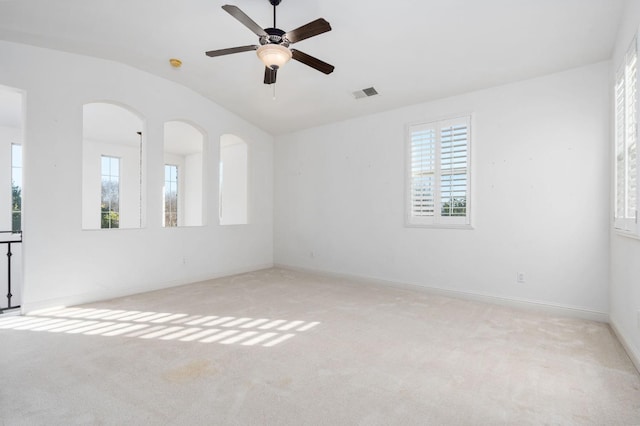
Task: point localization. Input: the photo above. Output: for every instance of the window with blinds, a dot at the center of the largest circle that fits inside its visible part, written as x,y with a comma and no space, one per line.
626,136
438,178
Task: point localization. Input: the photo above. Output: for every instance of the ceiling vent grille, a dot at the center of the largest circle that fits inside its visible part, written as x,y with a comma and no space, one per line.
365,93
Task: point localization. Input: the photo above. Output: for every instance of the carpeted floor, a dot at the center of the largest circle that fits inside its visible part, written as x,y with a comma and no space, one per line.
278,347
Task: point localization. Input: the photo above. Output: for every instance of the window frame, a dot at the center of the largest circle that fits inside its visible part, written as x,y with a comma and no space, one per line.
177,182
16,169
438,220
111,176
625,223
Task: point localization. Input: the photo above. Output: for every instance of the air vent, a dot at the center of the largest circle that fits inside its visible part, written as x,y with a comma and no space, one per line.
365,93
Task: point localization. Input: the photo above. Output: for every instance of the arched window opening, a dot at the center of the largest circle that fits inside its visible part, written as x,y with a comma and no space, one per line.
183,175
11,158
11,191
111,167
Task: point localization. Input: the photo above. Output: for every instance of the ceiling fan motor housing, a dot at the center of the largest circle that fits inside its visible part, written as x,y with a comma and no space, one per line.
274,36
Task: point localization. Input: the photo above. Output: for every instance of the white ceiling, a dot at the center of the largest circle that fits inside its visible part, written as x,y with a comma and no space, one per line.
411,51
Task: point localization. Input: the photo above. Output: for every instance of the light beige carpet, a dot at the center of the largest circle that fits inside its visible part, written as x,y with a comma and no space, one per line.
277,347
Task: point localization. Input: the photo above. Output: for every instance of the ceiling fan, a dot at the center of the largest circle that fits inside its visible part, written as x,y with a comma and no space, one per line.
274,48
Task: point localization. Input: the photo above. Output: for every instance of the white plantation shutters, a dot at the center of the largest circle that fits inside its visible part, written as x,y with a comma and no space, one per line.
423,172
439,180
453,168
620,159
626,136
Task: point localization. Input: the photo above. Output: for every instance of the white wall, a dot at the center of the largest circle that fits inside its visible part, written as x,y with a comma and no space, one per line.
64,264
234,155
540,166
193,190
625,251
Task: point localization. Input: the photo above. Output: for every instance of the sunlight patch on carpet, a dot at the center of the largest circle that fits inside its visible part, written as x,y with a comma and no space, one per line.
226,330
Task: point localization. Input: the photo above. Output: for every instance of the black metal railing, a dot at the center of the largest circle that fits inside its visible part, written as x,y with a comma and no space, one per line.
13,238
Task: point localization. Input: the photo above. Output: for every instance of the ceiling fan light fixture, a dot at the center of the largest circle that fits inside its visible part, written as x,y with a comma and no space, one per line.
274,56
274,50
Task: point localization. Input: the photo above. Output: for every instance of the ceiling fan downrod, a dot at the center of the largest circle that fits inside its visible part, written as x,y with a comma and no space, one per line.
274,3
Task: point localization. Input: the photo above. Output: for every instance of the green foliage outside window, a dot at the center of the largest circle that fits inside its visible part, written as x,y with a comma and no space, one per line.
454,207
16,208
110,218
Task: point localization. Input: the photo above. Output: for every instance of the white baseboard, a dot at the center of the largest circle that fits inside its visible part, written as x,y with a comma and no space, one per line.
78,299
538,306
549,308
632,351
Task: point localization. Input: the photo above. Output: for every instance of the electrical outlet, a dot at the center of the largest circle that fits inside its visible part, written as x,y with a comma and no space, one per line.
520,277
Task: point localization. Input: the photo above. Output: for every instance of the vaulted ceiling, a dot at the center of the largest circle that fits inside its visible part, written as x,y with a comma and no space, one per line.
410,51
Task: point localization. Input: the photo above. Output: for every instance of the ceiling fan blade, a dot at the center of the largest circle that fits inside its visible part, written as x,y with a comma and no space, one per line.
269,75
311,29
312,62
230,50
244,19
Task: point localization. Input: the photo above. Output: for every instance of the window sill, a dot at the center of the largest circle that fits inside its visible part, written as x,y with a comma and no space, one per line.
626,234
110,229
439,226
